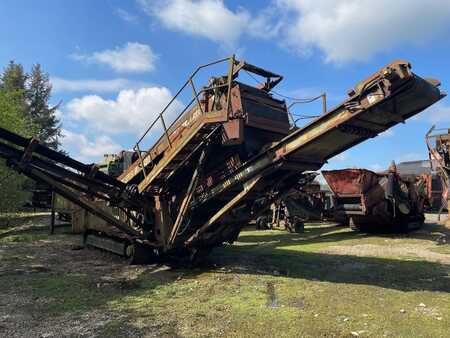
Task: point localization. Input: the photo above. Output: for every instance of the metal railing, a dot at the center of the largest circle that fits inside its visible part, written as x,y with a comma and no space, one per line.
322,96
195,98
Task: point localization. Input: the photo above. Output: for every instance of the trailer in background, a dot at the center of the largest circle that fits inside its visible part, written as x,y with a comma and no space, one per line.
369,201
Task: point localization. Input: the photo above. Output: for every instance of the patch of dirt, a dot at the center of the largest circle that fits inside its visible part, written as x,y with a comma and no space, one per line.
54,256
402,250
25,324
429,311
432,236
299,303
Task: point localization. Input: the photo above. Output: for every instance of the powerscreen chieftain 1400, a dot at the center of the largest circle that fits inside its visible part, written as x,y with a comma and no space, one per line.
229,155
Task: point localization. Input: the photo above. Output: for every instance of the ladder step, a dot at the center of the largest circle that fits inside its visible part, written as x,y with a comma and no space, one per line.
177,155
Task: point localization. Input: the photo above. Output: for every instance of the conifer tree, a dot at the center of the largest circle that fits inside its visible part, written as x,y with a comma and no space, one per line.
38,94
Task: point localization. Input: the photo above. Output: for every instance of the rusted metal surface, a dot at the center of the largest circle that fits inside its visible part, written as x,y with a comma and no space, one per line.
433,188
369,200
177,202
433,185
347,182
438,143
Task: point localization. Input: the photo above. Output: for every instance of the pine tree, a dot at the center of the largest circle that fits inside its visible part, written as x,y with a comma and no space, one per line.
13,81
24,109
13,194
13,77
38,95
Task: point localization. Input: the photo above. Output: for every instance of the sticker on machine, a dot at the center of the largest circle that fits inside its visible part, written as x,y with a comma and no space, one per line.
372,98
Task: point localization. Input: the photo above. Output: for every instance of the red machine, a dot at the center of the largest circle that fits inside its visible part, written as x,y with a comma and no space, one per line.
368,201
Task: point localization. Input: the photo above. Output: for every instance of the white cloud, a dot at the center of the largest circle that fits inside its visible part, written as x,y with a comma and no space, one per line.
58,114
439,113
92,85
206,18
266,24
131,112
211,19
125,15
356,30
86,150
343,30
132,57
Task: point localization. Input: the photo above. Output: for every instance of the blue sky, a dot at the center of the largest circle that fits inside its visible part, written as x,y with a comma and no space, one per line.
114,64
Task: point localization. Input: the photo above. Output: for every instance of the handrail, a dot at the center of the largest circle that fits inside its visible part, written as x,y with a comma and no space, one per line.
189,81
302,117
181,90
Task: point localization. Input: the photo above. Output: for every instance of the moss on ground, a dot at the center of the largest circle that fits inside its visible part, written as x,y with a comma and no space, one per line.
312,295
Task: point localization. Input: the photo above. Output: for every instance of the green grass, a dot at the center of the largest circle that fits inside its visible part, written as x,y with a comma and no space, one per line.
23,238
27,235
214,304
17,218
23,229
443,249
269,284
316,294
59,293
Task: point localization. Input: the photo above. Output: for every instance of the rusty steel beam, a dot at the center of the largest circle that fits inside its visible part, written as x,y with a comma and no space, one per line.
56,156
73,179
81,201
226,208
188,196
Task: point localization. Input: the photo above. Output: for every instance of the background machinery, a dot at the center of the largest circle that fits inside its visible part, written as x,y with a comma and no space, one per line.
304,202
369,201
438,143
425,171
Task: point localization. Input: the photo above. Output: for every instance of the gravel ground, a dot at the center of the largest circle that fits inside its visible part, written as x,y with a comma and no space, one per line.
56,256
430,237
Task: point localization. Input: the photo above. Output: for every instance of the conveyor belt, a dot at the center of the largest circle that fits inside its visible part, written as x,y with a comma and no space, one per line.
387,98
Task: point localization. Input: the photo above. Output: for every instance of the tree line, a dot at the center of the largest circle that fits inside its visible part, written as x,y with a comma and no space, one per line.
25,109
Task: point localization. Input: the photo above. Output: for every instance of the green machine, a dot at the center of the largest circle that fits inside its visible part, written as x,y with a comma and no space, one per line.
115,164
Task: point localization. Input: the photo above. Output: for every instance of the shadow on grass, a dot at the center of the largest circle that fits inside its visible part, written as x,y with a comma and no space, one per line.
387,273
28,231
77,292
333,233
264,254
281,254
311,235
12,220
